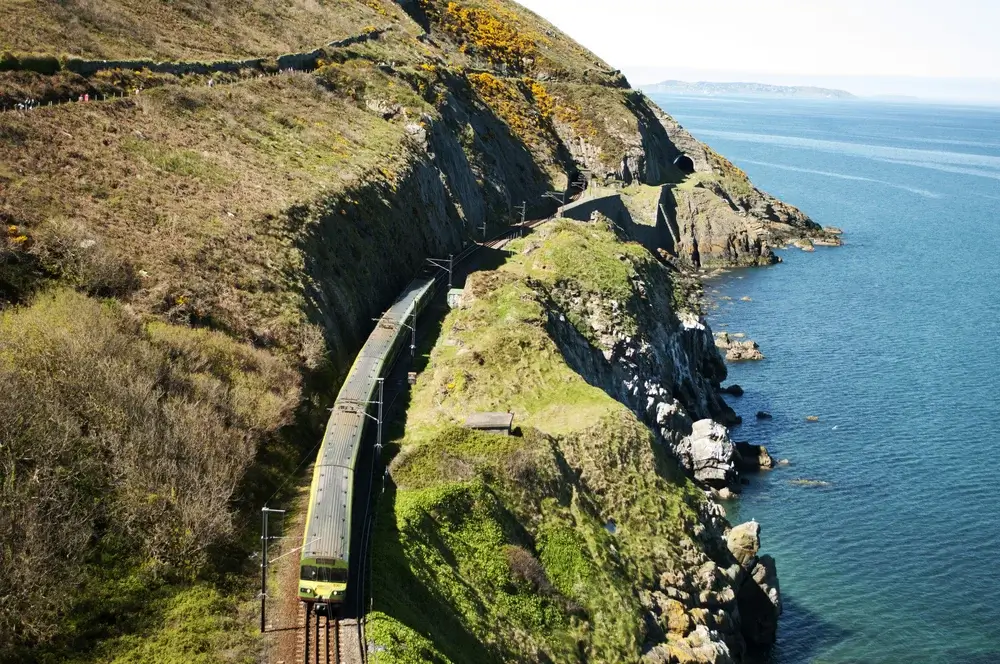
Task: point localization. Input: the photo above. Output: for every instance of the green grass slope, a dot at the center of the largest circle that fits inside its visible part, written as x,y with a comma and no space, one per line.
186,272
493,548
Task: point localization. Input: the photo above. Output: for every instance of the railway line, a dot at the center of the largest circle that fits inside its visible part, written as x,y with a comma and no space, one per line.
325,639
330,624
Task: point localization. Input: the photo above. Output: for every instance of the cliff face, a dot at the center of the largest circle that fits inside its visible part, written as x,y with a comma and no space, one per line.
581,537
245,233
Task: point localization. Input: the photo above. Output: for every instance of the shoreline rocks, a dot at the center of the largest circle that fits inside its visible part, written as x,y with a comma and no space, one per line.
753,457
758,597
738,351
744,351
709,454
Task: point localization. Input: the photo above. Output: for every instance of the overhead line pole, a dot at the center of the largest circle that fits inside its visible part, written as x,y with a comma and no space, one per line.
447,265
264,537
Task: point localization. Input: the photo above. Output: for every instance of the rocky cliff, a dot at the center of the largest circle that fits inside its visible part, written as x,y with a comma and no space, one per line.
584,536
229,230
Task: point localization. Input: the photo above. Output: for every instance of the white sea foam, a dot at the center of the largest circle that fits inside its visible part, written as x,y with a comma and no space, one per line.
843,176
946,168
880,152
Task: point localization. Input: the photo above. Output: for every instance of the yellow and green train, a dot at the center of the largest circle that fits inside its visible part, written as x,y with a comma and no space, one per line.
326,543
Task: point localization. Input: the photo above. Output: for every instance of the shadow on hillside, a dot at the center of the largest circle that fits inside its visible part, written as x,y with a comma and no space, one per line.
361,245
401,594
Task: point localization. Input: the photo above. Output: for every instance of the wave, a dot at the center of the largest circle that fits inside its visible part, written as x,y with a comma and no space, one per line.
843,176
860,149
945,168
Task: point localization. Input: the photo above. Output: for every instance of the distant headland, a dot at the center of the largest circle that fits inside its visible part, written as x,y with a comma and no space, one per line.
708,88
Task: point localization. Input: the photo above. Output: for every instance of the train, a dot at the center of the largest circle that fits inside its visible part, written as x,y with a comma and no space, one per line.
326,543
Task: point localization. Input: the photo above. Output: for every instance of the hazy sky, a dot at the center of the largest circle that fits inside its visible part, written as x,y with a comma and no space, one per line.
906,44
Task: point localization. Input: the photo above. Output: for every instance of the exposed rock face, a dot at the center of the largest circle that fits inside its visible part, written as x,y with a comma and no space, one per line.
713,609
743,542
723,219
709,454
744,351
667,368
765,573
752,457
758,597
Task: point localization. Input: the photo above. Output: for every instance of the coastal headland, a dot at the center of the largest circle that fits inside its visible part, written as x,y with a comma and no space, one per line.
195,242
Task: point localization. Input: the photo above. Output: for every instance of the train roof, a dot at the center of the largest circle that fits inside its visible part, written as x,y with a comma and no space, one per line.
327,533
328,530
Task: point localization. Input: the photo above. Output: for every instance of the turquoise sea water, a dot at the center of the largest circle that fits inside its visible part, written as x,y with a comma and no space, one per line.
894,342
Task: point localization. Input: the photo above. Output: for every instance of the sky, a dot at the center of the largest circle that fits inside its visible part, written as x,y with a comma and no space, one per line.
925,48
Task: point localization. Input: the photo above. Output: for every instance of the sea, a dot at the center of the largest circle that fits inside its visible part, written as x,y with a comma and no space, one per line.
885,523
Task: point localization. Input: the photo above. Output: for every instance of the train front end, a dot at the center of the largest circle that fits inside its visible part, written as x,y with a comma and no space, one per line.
323,581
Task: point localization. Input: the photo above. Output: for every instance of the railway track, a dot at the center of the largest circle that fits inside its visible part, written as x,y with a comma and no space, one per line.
332,640
328,640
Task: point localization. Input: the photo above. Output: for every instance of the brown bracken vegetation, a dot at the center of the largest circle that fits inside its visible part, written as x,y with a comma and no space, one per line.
133,435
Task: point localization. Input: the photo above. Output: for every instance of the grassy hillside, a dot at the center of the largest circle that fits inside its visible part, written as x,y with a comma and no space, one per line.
498,548
186,271
188,30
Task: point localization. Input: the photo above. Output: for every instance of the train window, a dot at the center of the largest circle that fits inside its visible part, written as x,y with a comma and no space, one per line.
323,574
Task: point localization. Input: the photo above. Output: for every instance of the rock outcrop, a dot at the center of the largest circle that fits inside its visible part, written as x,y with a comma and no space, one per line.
752,457
743,541
709,454
738,350
758,597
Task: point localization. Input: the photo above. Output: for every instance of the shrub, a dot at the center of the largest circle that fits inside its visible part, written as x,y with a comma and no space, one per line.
41,64
67,251
119,440
494,36
525,568
8,61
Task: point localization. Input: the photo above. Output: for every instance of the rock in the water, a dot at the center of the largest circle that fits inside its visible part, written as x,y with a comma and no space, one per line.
812,418
722,340
752,457
765,573
808,482
763,415
784,462
742,351
758,612
743,542
805,244
734,389
709,454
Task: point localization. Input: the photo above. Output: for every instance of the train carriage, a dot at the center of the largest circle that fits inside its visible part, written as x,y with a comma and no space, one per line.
326,543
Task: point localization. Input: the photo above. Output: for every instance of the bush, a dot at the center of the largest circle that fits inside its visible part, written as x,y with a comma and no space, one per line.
525,568
67,251
118,440
41,64
8,61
